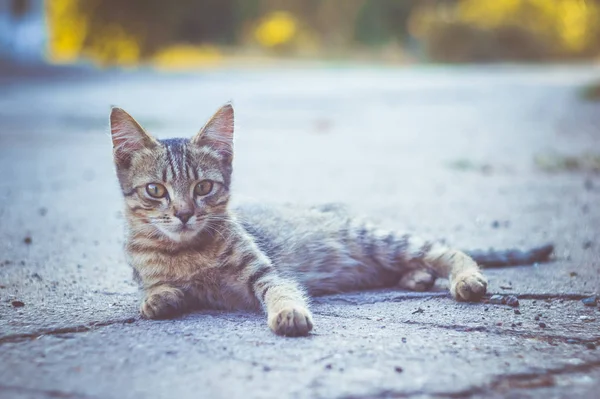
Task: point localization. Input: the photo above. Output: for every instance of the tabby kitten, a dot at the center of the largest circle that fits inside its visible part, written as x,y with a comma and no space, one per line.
188,250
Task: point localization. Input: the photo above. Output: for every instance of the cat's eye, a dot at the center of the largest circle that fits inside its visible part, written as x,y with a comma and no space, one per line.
203,188
156,190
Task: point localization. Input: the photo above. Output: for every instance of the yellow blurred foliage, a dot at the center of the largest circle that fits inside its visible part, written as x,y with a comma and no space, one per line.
67,32
186,57
277,28
573,23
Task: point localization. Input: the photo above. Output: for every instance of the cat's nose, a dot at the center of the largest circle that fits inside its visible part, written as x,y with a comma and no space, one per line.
184,215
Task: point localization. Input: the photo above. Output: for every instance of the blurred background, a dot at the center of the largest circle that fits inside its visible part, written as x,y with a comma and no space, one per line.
192,33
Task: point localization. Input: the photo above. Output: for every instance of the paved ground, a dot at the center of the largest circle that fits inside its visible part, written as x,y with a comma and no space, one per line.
448,152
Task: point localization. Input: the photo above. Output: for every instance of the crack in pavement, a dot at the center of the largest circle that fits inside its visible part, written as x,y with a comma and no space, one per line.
426,295
498,384
62,330
52,393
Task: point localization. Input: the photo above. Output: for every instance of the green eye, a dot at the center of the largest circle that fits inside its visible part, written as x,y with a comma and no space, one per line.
156,190
203,188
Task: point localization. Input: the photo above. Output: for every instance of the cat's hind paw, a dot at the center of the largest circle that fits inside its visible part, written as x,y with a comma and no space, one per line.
468,285
292,322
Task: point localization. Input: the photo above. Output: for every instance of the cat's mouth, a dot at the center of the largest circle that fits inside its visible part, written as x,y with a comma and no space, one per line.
184,228
182,232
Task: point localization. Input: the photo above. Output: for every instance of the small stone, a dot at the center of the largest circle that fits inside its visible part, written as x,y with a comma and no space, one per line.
513,325
590,301
517,311
266,368
572,341
587,319
497,299
536,318
18,304
573,274
398,369
43,211
542,325
587,245
403,340
495,224
590,345
419,310
512,300
328,366
129,320
27,240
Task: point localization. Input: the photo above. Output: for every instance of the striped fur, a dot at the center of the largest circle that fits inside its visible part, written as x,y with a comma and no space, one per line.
256,256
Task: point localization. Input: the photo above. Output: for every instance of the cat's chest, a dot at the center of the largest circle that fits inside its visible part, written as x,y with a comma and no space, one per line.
210,284
216,289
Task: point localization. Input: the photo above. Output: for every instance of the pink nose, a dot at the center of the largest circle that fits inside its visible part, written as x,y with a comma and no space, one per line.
184,215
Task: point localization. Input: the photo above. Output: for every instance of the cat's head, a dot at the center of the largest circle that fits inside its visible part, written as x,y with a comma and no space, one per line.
173,189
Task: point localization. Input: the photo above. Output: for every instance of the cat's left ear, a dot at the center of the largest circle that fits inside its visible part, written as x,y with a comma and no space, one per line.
218,132
127,136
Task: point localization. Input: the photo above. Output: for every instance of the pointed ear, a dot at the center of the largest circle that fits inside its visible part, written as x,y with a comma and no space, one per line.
218,131
127,136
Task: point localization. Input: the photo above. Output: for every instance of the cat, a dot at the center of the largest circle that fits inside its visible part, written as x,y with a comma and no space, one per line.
189,251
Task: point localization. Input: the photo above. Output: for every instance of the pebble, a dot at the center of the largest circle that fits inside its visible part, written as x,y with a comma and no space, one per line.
590,345
512,300
590,301
517,311
27,240
542,325
18,304
398,369
587,318
572,341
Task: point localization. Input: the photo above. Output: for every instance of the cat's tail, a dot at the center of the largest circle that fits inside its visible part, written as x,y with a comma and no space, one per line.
511,257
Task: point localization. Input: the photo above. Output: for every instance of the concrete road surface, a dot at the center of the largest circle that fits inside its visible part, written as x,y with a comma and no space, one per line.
446,152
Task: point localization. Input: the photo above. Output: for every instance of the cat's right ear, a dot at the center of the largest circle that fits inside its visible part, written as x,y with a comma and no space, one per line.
127,136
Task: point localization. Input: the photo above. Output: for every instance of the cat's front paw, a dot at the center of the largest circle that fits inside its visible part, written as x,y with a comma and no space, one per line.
291,322
162,303
468,285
